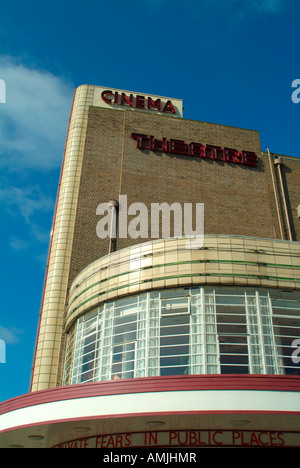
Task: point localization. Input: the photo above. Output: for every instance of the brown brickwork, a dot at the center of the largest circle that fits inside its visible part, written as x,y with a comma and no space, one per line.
290,173
238,200
102,162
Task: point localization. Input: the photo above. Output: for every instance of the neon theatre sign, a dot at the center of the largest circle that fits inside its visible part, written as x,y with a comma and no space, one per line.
198,150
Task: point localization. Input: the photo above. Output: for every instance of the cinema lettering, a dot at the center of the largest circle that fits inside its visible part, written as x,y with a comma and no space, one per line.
198,150
213,438
138,101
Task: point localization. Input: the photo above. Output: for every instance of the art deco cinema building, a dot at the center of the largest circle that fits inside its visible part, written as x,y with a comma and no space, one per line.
147,340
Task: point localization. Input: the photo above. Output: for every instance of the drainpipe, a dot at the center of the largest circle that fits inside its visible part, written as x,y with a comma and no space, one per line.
275,193
114,206
278,162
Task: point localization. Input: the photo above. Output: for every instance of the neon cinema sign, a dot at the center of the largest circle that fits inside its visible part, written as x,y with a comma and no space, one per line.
137,101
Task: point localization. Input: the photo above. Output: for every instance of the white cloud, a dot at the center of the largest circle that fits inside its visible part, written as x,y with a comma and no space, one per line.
34,119
240,8
263,6
26,201
33,127
26,205
10,335
18,244
236,8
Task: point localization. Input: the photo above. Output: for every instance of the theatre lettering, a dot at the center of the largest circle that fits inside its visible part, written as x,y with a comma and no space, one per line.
180,147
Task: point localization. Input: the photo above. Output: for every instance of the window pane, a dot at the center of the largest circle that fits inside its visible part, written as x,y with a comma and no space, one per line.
186,331
175,306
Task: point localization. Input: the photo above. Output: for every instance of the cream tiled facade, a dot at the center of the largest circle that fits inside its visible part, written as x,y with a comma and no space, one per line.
141,338
48,348
53,306
223,260
165,263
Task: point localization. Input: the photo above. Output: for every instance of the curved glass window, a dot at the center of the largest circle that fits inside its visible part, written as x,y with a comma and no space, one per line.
201,330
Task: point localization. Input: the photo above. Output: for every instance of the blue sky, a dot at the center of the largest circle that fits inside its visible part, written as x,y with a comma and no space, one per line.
231,61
